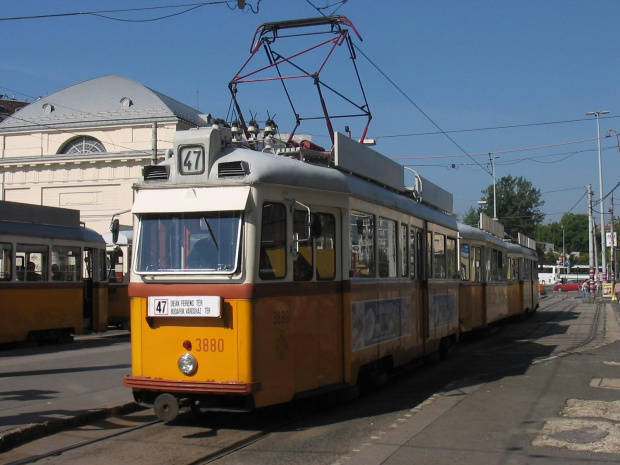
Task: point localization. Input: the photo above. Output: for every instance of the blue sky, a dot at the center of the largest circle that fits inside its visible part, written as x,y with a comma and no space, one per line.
510,78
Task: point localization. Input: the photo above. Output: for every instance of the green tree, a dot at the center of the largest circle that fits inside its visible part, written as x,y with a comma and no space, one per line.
575,232
518,205
570,233
472,217
549,258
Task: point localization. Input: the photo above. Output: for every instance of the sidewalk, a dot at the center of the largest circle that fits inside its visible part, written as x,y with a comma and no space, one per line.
46,389
561,410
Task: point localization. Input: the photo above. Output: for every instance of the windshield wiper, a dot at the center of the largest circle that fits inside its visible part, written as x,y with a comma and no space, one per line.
211,232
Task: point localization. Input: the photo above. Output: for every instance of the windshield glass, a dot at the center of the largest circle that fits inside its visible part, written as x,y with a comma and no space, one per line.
189,242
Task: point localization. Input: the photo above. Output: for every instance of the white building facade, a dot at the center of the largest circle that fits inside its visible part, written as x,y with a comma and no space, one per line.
83,147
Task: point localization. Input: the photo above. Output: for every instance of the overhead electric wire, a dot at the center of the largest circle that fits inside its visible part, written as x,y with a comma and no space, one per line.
486,154
607,195
319,8
564,190
490,128
102,13
420,109
577,203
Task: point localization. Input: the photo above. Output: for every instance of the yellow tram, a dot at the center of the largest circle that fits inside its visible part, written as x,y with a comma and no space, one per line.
523,294
267,268
483,271
497,278
52,275
260,276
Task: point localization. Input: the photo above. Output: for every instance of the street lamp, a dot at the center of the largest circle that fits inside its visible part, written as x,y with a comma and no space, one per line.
563,248
494,182
598,114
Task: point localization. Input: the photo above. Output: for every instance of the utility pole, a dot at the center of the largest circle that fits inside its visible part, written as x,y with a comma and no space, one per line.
563,248
613,250
591,239
492,159
598,114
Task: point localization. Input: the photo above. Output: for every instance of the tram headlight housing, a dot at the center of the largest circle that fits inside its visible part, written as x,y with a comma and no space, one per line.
187,364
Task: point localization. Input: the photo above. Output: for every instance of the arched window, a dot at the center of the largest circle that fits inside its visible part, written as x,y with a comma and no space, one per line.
83,144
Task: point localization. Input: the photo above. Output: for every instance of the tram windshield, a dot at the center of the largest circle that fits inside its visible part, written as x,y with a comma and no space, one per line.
189,242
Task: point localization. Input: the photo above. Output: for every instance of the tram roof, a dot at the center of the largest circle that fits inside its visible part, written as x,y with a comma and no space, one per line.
43,231
514,248
352,170
269,168
38,214
472,233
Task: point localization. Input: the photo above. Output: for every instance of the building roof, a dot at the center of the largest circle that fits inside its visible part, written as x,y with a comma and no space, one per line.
101,101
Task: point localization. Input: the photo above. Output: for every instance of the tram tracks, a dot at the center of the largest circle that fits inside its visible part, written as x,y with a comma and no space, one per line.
221,441
61,450
240,445
559,329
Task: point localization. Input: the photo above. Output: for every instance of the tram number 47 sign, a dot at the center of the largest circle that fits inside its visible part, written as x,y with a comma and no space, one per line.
188,306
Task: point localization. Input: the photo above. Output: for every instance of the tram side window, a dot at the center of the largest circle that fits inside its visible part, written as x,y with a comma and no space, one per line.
465,265
404,251
103,272
272,263
494,264
6,261
419,254
303,265
31,262
451,258
325,246
488,267
429,255
362,245
475,255
413,262
498,269
501,266
88,268
439,254
515,269
114,260
387,248
66,263
527,269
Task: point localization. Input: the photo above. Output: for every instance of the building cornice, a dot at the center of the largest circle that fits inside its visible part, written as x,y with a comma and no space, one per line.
78,159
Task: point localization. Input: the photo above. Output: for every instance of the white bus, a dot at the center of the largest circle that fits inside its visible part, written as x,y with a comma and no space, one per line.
579,272
551,274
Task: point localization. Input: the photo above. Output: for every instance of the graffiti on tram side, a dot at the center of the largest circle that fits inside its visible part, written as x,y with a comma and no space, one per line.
443,309
376,321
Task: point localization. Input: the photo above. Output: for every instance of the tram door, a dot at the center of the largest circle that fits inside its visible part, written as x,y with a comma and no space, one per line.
314,268
88,284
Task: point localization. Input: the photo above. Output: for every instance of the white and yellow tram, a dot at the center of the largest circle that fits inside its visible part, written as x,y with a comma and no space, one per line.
52,275
497,278
523,291
260,276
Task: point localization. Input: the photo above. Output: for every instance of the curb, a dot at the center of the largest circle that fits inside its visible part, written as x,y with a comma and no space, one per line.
24,434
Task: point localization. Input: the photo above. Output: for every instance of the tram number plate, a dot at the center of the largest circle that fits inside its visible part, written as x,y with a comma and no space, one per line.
191,305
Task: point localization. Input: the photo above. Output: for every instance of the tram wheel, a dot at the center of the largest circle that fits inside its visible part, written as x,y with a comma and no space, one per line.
166,407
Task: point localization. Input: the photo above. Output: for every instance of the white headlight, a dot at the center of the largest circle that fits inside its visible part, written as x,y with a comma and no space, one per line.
187,364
